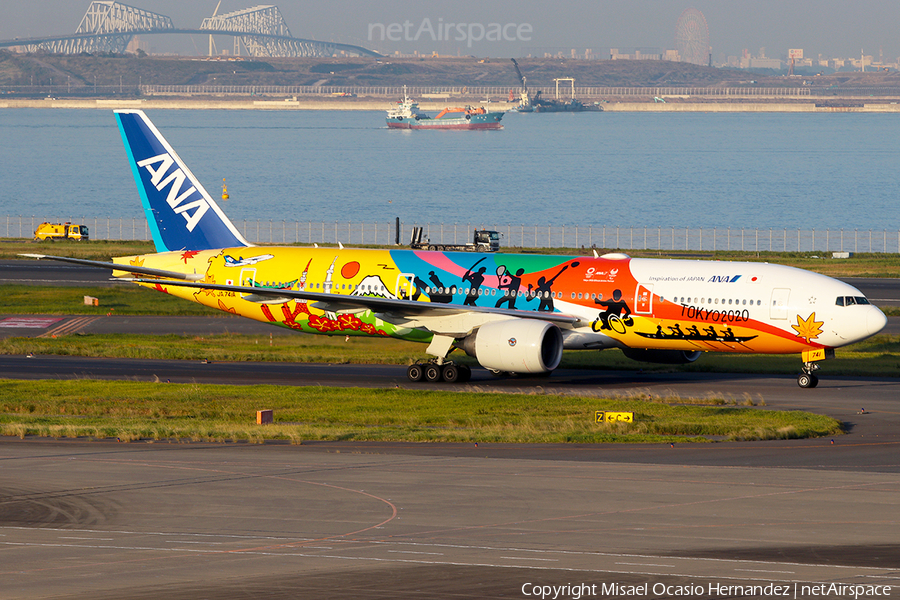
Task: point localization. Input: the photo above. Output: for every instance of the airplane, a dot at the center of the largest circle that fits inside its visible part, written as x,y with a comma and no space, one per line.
513,313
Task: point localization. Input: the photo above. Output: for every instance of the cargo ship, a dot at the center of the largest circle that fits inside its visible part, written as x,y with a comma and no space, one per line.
406,115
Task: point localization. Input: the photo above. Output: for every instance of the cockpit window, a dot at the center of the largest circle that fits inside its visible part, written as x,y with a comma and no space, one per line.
851,300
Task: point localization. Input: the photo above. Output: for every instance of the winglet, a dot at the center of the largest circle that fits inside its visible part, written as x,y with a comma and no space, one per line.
181,213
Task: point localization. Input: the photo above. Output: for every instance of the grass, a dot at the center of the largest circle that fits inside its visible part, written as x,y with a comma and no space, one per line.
11,248
119,299
219,413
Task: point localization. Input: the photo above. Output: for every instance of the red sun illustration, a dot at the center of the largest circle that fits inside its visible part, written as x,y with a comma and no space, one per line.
350,270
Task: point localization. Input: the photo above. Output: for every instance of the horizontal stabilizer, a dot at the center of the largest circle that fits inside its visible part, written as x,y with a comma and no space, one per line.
118,267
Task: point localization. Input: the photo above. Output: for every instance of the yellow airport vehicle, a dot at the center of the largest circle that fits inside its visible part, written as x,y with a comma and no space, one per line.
61,231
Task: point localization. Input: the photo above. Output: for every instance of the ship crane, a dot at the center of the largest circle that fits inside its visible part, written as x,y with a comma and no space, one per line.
525,102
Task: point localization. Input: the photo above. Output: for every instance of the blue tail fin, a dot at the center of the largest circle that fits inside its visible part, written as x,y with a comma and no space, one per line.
181,214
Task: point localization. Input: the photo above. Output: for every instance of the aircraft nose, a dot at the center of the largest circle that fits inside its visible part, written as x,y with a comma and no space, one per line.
875,320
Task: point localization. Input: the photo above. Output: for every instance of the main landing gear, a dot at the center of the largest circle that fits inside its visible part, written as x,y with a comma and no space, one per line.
448,372
807,377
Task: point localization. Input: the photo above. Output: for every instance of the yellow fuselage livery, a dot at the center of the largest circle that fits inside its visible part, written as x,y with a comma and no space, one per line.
616,301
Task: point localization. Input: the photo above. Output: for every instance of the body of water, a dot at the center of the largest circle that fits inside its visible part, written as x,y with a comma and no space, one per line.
768,170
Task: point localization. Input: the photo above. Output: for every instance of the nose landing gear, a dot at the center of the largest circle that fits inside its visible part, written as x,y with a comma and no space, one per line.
807,377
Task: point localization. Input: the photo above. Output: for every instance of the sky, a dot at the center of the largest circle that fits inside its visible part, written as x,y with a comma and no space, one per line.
833,28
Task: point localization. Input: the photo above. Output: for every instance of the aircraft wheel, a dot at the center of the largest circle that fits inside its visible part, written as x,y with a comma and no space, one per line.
465,373
450,373
432,373
807,380
415,373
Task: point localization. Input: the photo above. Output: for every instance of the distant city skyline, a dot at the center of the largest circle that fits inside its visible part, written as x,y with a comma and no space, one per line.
492,28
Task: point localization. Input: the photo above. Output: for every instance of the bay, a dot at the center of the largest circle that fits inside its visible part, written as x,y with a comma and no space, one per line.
753,170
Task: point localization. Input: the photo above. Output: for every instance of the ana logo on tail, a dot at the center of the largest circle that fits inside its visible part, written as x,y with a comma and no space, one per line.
175,198
181,214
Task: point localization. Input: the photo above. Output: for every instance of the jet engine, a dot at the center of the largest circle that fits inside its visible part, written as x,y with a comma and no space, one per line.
516,346
666,357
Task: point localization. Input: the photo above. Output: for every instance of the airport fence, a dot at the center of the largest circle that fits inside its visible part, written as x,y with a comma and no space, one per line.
705,239
442,91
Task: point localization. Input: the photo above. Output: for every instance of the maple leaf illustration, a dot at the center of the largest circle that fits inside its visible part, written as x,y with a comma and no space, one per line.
809,329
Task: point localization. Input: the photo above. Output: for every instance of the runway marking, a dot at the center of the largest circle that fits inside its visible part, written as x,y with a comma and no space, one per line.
647,565
412,552
29,322
70,326
761,571
475,563
529,558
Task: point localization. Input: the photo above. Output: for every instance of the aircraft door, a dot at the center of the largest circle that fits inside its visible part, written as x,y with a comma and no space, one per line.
405,286
643,298
248,278
778,308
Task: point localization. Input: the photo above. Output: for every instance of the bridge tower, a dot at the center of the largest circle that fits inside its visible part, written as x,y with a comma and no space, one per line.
106,27
274,37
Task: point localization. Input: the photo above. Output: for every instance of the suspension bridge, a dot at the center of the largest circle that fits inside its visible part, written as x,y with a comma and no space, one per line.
108,27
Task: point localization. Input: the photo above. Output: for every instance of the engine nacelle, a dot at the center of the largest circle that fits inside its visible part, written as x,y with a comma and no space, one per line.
666,357
516,346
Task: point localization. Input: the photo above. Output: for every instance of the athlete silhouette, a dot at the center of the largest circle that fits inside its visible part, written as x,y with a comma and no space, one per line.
475,278
544,291
511,284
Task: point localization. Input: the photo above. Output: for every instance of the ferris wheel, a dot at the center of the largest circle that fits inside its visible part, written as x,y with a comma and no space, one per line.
692,37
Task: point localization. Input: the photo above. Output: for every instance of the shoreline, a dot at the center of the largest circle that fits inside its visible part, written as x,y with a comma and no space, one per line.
206,103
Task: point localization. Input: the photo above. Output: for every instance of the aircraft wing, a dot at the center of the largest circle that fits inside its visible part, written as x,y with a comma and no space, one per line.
118,267
337,303
439,318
